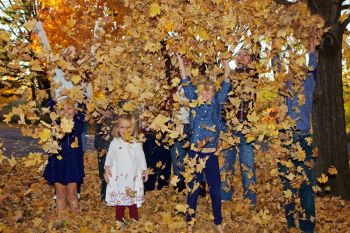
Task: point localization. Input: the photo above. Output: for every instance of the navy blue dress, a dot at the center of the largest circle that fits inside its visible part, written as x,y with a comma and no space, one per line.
70,169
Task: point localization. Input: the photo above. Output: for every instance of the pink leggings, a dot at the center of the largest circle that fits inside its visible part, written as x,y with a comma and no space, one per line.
119,213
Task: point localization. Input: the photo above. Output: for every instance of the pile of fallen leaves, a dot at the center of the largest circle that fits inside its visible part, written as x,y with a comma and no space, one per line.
27,204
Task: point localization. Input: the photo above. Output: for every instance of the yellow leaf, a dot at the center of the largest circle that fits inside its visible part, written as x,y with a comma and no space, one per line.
154,10
37,222
36,65
332,171
12,161
67,125
175,82
203,34
169,26
149,227
174,180
287,194
75,143
33,159
159,123
30,25
6,36
181,208
323,179
44,135
76,79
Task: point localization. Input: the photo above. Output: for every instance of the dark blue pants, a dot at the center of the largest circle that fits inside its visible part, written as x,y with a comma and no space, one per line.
306,217
101,171
212,174
157,155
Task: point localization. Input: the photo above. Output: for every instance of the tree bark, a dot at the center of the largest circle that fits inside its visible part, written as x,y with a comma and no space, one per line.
328,116
33,88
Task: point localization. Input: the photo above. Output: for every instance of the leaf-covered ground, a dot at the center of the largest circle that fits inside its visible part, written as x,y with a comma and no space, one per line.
27,205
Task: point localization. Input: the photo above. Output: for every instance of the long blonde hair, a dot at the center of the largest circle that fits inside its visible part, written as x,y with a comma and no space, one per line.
134,125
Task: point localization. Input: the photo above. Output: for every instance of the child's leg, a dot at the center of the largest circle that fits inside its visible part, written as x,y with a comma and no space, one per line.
72,196
307,199
227,172
192,197
247,164
133,212
165,171
151,160
61,197
287,186
119,213
101,170
212,173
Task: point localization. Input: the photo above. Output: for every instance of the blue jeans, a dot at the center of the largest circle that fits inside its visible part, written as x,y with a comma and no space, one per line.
178,153
305,192
84,136
212,174
247,165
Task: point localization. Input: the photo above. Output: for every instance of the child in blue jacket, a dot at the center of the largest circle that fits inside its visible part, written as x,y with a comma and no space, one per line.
205,124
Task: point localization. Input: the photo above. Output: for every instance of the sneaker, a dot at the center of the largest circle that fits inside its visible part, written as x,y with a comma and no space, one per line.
78,195
54,197
219,228
121,224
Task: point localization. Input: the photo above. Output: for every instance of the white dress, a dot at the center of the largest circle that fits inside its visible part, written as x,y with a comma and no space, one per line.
127,162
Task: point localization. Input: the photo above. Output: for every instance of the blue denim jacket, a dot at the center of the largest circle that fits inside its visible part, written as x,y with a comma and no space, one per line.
303,117
206,116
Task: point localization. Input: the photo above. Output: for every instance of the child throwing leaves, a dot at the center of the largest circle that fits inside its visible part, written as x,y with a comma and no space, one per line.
66,169
205,124
125,170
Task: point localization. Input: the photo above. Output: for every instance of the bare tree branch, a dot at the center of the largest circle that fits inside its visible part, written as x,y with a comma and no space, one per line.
286,2
345,23
345,7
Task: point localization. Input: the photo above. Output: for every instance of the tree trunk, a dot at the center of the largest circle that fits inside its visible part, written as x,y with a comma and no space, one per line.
32,87
328,113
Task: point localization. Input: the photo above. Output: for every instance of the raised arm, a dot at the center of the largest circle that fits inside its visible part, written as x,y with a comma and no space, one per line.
312,53
190,90
181,66
227,71
226,84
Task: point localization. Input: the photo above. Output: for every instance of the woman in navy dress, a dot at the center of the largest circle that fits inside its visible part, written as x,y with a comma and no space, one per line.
65,170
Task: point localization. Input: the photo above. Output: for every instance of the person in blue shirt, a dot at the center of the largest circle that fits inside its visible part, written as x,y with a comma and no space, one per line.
245,76
302,196
205,126
65,170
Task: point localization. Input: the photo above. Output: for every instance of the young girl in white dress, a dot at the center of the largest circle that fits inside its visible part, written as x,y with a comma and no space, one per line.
125,170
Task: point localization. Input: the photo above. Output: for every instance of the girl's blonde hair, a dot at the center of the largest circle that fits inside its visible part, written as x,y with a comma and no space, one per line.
134,125
206,84
66,101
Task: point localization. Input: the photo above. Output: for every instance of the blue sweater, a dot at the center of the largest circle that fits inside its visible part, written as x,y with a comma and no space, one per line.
303,117
205,119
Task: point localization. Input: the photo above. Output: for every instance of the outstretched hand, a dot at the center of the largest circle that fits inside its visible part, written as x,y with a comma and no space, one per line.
107,174
145,176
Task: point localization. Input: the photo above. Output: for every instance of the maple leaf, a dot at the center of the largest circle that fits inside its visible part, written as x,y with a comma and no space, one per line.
159,123
174,180
67,125
181,208
323,179
75,143
30,25
154,10
332,171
